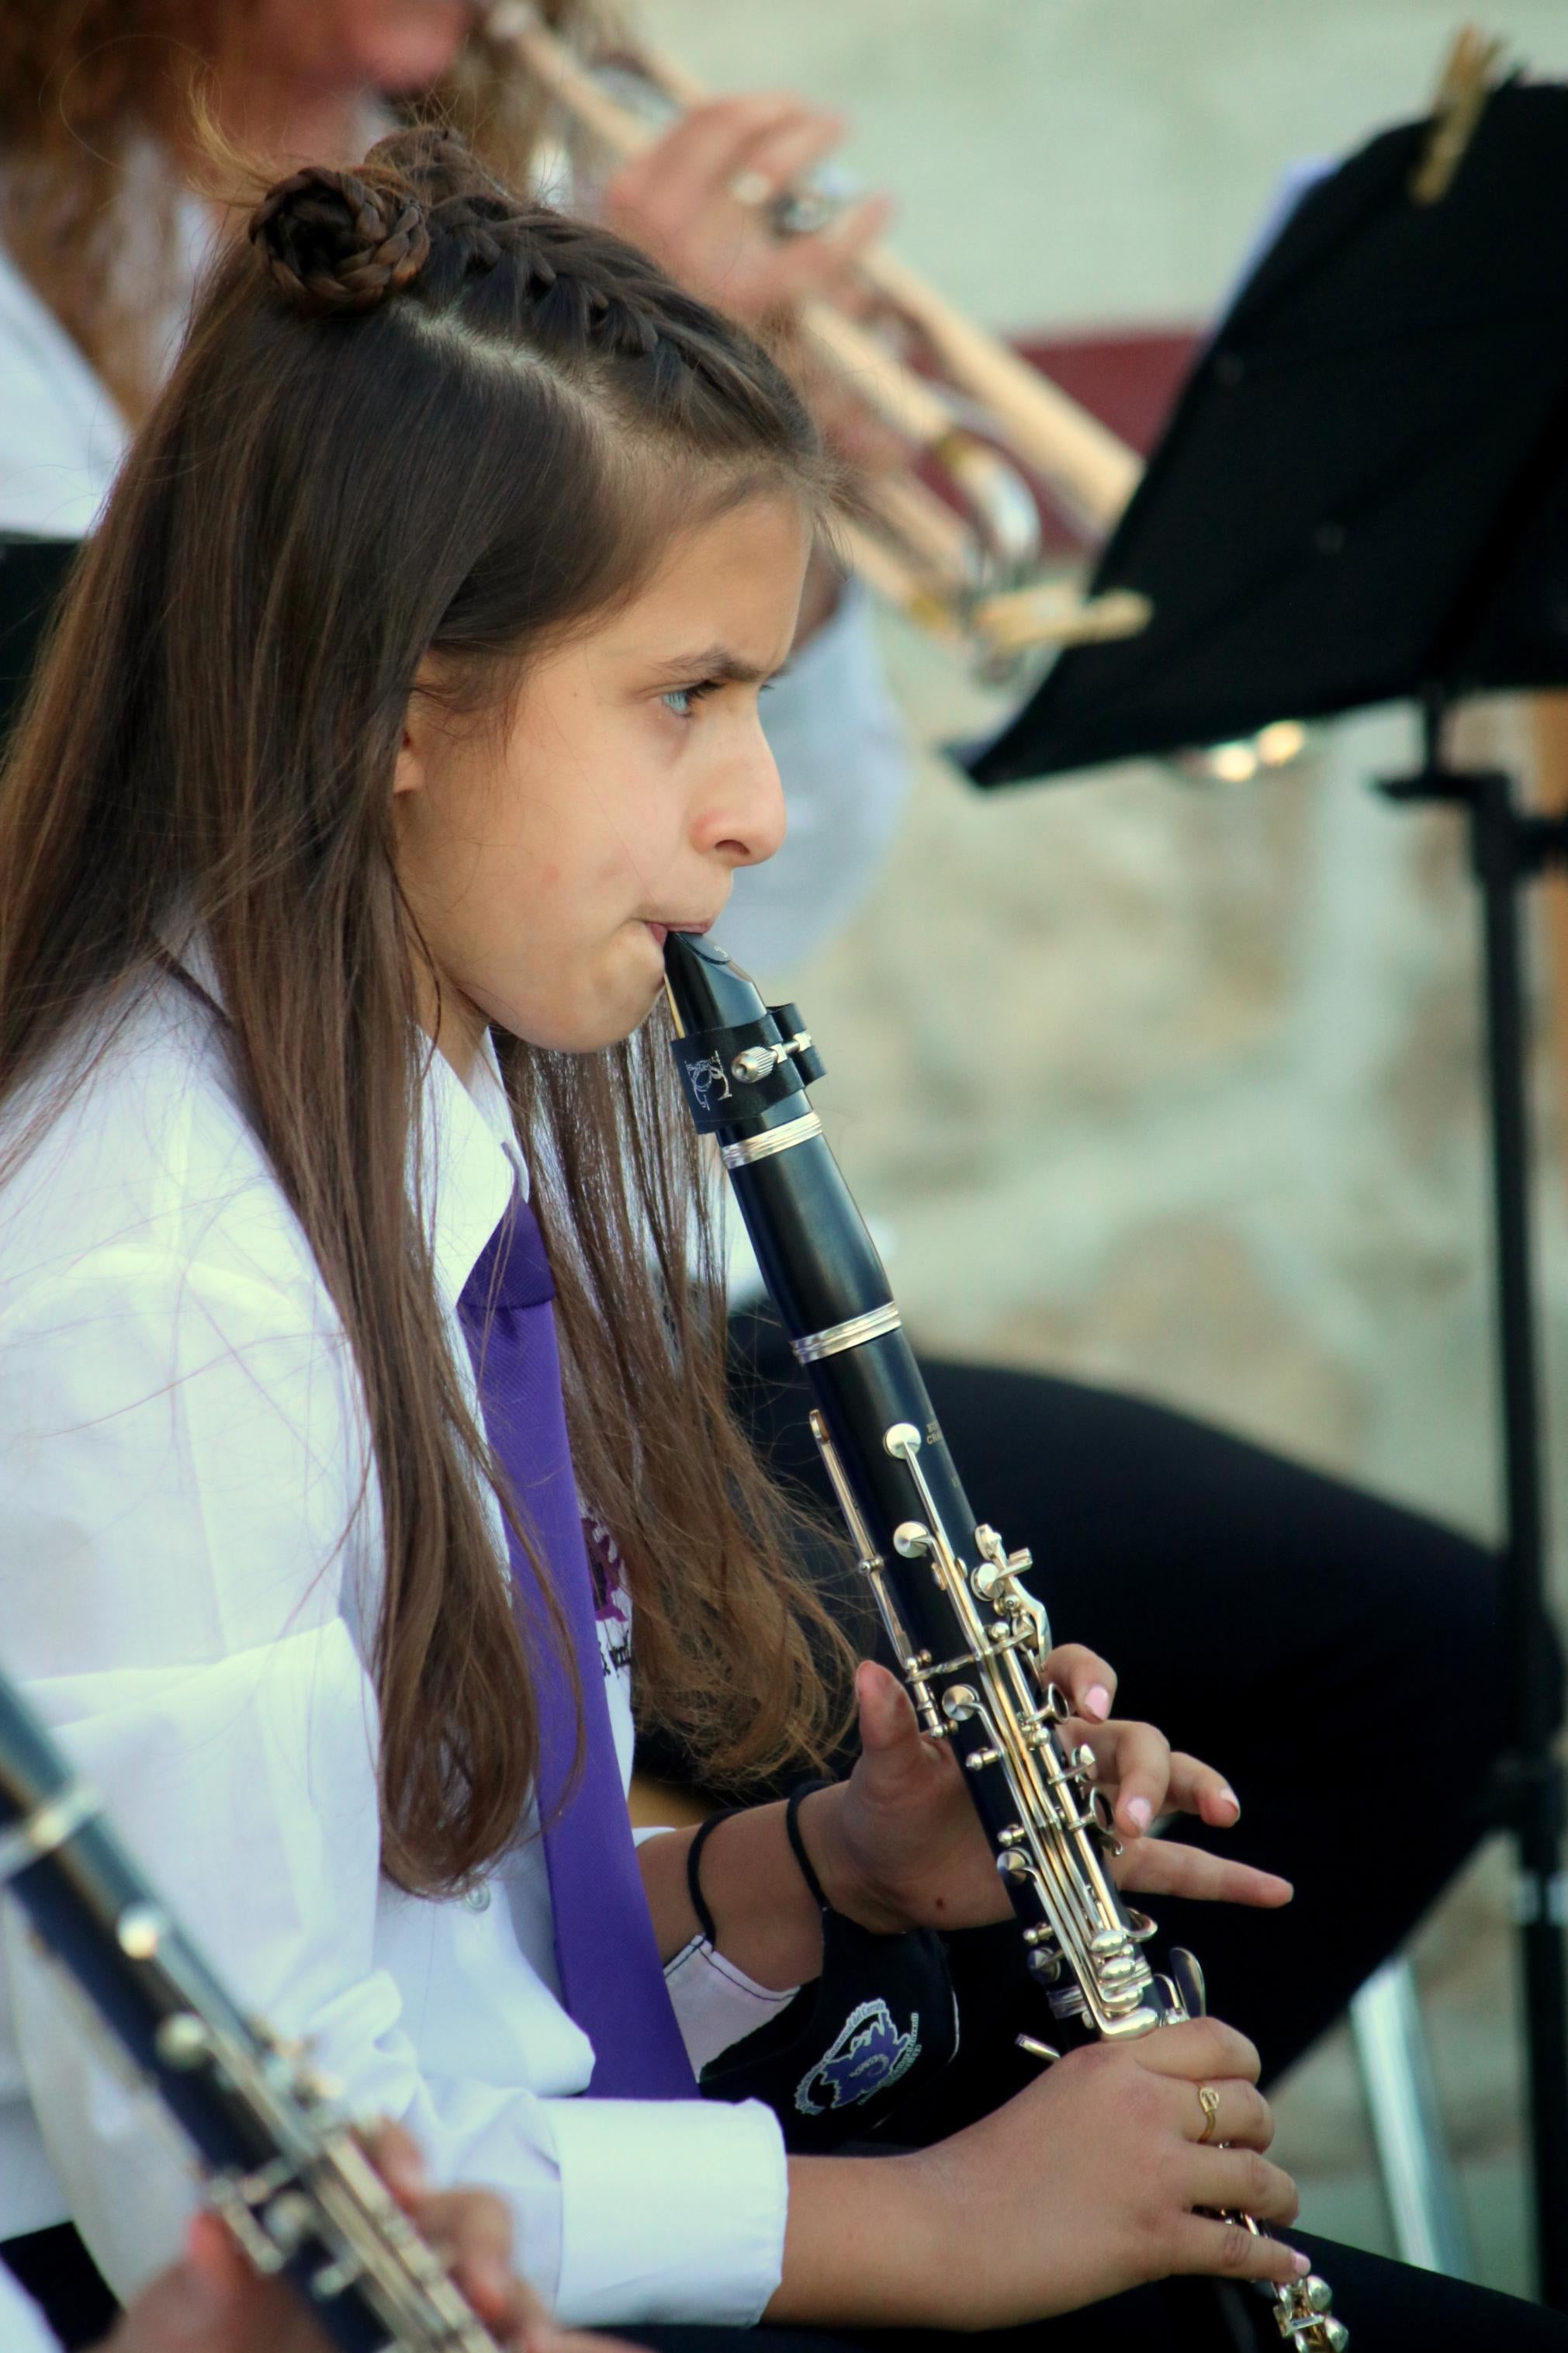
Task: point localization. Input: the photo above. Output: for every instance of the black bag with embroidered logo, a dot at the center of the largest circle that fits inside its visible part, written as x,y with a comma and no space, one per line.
839,2061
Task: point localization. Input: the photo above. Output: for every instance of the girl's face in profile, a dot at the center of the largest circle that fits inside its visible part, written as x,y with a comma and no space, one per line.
633,779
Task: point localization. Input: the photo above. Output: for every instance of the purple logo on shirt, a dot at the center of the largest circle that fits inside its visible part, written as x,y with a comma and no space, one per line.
867,2054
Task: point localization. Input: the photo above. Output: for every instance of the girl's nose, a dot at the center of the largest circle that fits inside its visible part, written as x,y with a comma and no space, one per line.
747,824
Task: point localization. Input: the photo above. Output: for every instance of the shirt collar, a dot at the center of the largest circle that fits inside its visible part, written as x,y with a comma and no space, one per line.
468,1161
463,1145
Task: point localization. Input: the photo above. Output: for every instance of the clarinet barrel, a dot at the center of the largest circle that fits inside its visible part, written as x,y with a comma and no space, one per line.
971,1638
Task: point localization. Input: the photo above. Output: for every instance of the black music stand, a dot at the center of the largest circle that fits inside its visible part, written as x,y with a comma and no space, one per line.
1362,498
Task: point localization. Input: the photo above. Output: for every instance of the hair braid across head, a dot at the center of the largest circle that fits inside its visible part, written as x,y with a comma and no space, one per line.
422,206
422,213
582,299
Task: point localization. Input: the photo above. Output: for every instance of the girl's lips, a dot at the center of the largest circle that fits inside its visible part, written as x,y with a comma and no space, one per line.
661,931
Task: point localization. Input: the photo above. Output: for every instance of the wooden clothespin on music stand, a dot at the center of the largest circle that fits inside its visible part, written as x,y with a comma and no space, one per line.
1470,77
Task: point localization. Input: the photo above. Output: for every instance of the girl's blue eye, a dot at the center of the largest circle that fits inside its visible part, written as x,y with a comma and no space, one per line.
683,700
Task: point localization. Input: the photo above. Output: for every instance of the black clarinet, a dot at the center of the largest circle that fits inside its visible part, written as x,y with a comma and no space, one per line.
277,2156
971,1638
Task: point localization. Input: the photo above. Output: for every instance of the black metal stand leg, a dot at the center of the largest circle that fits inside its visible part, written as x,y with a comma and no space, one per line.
1507,849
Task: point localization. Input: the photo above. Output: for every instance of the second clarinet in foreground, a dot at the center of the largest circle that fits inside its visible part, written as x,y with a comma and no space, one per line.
276,2155
971,1638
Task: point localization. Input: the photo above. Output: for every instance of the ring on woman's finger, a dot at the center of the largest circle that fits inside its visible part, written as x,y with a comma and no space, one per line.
804,211
752,187
1208,2100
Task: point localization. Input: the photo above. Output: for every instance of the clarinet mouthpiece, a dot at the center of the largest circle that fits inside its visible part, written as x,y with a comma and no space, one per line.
707,990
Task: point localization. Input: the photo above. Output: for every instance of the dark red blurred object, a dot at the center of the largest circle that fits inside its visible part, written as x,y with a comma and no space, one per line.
1129,381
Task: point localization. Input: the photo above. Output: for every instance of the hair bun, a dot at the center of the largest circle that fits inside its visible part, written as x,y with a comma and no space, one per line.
333,241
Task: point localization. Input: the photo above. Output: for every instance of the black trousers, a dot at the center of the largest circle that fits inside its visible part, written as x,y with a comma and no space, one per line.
1387,2307
1304,1637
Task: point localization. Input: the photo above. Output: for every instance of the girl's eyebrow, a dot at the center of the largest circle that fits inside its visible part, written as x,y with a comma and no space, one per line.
719,663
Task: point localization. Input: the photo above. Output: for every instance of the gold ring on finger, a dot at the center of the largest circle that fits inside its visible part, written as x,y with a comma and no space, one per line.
752,188
1208,2100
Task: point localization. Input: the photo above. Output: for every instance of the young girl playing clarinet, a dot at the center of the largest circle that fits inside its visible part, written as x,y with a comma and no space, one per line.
362,1399
1176,1546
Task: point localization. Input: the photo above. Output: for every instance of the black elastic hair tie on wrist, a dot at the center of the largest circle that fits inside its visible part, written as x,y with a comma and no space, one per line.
797,1844
693,1881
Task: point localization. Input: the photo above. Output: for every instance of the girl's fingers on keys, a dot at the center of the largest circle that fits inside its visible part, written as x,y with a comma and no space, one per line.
1242,2181
1202,2050
1220,2250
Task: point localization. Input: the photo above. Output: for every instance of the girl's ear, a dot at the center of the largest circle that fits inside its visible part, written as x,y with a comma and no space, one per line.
408,775
413,769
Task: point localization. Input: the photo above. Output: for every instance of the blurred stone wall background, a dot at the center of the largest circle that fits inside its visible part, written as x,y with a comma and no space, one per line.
1159,1084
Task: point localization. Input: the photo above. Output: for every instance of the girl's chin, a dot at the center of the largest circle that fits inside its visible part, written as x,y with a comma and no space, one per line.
609,1024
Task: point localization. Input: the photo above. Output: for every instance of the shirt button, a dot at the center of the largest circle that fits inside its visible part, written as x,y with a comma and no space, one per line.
478,1899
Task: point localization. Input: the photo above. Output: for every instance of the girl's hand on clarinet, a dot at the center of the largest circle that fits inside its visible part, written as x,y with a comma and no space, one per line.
898,1845
1144,1776
1093,2180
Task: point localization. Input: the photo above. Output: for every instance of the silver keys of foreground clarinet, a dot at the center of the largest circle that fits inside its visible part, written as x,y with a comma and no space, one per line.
278,2160
971,1639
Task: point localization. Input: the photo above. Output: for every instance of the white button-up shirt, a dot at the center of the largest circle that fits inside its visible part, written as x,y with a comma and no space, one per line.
189,1558
22,2328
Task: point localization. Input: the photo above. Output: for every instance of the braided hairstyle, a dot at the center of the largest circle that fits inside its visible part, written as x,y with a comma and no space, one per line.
333,242
420,427
421,219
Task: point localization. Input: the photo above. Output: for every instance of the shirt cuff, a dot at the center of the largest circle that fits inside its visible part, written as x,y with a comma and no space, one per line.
715,2003
670,2210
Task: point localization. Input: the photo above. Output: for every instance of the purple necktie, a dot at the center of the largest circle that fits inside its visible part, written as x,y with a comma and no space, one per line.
611,1978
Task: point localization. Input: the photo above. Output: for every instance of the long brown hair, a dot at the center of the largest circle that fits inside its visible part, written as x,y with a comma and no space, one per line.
340,478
